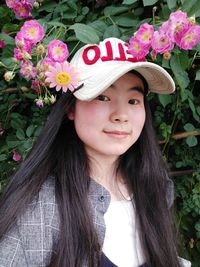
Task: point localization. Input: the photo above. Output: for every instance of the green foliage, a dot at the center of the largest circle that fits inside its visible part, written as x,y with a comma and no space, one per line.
79,22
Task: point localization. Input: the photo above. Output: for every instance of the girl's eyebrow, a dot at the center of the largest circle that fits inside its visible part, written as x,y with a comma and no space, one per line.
138,89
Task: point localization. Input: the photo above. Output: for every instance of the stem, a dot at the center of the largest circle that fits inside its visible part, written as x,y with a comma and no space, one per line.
71,52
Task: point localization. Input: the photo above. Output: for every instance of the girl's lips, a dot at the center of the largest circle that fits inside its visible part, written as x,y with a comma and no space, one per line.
117,134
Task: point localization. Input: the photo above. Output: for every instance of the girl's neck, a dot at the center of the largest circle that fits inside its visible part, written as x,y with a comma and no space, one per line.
106,174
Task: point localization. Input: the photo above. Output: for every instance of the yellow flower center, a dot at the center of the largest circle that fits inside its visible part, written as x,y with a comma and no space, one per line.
21,10
58,51
137,47
146,36
63,78
32,32
188,38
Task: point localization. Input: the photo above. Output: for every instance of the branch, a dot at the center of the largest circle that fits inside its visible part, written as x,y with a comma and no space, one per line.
183,135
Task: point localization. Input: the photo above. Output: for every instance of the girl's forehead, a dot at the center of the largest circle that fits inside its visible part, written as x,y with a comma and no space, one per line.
128,82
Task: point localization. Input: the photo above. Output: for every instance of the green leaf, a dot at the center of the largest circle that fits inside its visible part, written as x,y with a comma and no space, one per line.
9,27
149,2
3,11
56,23
171,4
7,39
197,75
113,10
191,141
20,134
126,20
180,75
85,33
113,31
191,7
3,157
189,127
13,144
99,26
85,10
129,2
16,124
165,99
30,130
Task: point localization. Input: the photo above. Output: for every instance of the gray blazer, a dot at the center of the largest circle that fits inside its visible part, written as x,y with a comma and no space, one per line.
30,241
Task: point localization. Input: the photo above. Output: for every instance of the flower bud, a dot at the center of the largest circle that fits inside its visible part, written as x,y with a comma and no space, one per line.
167,55
39,103
9,75
153,55
40,49
36,5
19,44
41,75
192,20
26,55
52,99
46,100
24,89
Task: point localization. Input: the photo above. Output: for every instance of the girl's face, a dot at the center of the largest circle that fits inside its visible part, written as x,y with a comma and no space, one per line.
111,123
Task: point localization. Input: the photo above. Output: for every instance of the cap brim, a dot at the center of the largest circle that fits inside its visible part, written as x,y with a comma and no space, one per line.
158,79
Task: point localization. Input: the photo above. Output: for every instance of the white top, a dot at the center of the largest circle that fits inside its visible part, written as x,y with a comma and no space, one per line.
121,243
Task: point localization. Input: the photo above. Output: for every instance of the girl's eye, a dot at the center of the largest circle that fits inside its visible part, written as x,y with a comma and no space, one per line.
133,101
103,98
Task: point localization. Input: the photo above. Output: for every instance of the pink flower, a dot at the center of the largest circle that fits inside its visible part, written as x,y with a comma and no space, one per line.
20,54
32,31
136,48
11,3
16,156
2,44
62,76
190,38
145,34
23,43
39,103
43,65
178,23
1,130
28,70
161,42
22,10
57,51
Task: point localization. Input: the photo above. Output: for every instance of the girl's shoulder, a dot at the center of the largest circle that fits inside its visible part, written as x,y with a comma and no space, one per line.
32,239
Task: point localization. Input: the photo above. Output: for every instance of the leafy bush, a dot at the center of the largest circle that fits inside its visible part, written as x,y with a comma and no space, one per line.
176,116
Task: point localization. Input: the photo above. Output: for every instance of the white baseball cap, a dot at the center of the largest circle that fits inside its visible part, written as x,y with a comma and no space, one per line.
101,65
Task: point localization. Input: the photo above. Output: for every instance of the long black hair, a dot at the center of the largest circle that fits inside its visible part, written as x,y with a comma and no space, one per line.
60,152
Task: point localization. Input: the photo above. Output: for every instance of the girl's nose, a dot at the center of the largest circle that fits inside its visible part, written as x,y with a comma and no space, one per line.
119,115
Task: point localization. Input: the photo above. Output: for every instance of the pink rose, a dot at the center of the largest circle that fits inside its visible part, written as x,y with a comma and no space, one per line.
57,51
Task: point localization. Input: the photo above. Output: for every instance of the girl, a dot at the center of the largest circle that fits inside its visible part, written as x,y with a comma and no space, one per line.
94,190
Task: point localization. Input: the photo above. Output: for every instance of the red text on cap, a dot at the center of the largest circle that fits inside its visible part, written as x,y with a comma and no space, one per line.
123,52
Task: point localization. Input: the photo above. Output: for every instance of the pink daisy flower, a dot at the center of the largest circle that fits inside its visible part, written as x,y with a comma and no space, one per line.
32,31
57,51
62,76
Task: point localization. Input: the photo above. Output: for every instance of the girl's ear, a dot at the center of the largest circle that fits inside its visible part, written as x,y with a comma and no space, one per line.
70,114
